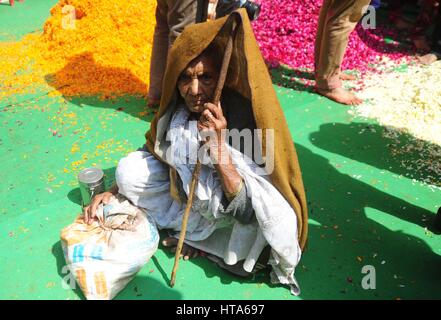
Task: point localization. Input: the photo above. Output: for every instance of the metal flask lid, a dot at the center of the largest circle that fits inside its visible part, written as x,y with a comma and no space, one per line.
91,176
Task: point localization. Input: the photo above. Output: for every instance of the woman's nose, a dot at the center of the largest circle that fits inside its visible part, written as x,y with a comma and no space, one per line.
194,88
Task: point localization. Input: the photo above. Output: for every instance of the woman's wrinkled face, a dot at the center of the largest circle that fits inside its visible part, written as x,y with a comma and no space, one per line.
197,83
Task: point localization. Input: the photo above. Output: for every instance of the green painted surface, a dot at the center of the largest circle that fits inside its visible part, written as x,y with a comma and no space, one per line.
365,208
23,18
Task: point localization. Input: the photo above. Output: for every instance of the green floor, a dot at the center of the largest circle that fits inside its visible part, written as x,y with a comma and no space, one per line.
365,208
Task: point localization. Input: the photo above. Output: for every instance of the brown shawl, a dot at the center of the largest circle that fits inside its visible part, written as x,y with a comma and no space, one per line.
248,75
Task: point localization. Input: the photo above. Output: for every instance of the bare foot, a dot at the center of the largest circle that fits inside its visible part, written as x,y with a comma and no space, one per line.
348,77
340,95
187,251
427,58
421,44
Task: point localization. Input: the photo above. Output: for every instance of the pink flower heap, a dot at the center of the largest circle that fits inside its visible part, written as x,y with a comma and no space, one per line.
286,31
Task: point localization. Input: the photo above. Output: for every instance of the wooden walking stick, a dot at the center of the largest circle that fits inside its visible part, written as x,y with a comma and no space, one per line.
197,169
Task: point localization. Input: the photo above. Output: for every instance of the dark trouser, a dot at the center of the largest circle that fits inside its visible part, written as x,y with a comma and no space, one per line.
424,20
336,21
172,16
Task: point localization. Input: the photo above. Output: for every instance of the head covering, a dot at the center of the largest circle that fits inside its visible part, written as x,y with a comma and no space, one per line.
248,75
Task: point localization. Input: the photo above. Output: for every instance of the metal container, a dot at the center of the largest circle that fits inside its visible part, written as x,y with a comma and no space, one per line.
91,181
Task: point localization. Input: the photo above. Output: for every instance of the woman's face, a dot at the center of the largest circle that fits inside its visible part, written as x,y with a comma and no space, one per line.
197,83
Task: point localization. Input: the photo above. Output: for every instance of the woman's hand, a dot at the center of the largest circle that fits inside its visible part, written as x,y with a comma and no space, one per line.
212,123
90,210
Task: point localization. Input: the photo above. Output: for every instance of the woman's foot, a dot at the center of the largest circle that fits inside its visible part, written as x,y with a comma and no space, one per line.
340,95
187,251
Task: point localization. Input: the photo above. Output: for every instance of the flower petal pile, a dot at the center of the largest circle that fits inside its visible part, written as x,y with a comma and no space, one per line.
105,50
286,33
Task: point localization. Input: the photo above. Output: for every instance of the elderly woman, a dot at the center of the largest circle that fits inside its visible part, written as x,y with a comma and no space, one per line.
250,193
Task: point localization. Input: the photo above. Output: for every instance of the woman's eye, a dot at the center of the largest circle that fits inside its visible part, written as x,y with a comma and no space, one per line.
206,77
184,78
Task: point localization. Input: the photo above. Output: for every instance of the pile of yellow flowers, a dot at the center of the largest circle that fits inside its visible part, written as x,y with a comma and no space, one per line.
97,47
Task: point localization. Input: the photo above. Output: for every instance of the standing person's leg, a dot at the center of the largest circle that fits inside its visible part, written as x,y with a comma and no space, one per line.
426,18
436,37
181,14
435,53
319,36
159,53
172,16
340,20
320,27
